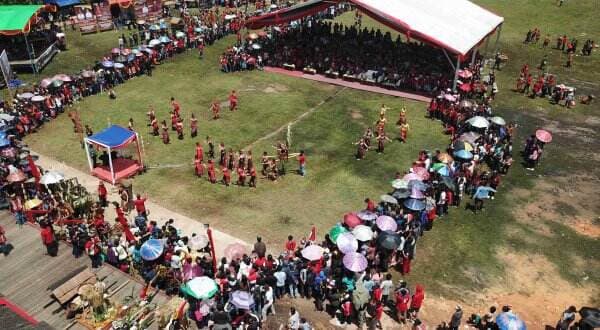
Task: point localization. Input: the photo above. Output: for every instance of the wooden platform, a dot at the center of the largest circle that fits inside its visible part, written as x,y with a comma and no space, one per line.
349,84
28,276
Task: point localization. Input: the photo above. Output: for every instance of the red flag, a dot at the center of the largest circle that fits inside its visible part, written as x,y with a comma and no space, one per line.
35,172
313,234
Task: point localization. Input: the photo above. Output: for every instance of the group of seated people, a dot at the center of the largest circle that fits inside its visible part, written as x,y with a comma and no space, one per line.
362,55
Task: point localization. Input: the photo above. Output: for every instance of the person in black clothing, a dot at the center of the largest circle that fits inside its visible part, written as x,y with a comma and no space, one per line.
221,319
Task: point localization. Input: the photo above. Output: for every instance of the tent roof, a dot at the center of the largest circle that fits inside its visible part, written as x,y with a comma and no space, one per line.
62,3
16,18
113,137
454,25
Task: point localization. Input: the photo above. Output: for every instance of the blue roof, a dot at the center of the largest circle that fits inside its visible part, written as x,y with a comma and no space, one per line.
113,137
62,3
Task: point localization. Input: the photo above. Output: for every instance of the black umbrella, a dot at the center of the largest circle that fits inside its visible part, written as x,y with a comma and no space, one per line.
590,316
449,182
389,240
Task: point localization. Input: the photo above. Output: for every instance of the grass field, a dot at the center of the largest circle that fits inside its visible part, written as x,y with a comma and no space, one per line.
461,251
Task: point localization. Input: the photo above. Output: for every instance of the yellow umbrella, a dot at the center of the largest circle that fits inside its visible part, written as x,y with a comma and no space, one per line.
32,203
445,158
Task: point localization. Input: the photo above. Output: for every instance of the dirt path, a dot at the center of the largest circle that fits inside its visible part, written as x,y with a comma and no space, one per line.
157,212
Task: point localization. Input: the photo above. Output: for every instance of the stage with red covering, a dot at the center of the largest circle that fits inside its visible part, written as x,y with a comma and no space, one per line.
110,140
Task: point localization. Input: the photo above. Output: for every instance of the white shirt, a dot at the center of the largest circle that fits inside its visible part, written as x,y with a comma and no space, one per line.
269,295
280,278
175,261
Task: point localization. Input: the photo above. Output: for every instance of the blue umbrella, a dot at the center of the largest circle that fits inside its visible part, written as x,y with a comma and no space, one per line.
108,64
4,142
414,204
164,39
444,171
198,29
154,27
463,154
152,249
510,321
163,26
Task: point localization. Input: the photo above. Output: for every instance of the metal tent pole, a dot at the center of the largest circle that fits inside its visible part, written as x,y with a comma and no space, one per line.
110,163
87,151
456,68
31,53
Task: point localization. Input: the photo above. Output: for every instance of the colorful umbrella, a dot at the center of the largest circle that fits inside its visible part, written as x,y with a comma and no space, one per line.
400,184
312,252
199,242
242,300
401,193
108,64
385,222
412,176
56,83
367,215
510,321
416,194
462,145
414,204
154,42
450,97
179,34
119,65
421,171
164,39
115,51
543,135
9,152
235,251
445,158
437,166
202,287
37,98
463,154
336,231
46,82
355,262
469,137
389,240
17,176
32,204
416,184
363,233
388,199
25,96
346,243
152,249
498,121
256,46
444,171
352,220
4,142
479,122
154,27
52,178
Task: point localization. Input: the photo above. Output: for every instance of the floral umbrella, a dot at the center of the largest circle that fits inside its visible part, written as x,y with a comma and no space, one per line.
355,262
202,287
385,222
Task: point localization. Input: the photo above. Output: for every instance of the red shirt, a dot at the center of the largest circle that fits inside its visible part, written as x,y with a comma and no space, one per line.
417,299
47,236
302,159
290,245
370,206
139,205
102,191
402,302
199,153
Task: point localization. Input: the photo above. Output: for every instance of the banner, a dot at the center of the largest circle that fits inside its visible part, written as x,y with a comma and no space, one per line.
5,67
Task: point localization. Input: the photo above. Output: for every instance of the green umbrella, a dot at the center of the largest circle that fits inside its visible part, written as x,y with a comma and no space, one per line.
336,231
437,166
449,182
200,287
56,83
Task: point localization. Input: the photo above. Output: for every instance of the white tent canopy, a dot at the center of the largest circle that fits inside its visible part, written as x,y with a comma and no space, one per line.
455,25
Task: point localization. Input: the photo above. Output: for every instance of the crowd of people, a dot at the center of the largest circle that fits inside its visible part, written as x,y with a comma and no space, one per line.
346,52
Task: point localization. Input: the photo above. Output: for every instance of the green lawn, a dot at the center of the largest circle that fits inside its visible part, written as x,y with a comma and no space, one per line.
460,244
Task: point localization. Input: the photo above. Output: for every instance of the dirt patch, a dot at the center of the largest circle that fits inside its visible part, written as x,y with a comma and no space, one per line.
568,200
355,114
276,88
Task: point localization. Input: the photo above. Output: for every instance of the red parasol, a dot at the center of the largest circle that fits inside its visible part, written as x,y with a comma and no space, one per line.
465,87
543,135
352,220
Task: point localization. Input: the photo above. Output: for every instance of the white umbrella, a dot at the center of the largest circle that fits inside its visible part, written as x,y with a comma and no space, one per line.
199,242
52,178
400,184
498,121
7,117
362,233
479,122
154,42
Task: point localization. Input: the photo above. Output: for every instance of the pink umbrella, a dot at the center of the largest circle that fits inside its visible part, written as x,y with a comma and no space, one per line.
347,243
422,172
352,220
412,176
62,77
416,193
465,74
235,251
355,262
312,252
46,82
385,222
126,51
9,152
450,97
543,135
115,51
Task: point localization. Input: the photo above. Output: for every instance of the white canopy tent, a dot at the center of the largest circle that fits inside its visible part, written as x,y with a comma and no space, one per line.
455,26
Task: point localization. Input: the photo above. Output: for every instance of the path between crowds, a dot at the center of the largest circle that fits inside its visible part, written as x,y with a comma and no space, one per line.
157,212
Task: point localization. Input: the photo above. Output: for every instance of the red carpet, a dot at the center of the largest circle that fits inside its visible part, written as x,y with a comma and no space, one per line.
123,168
349,84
